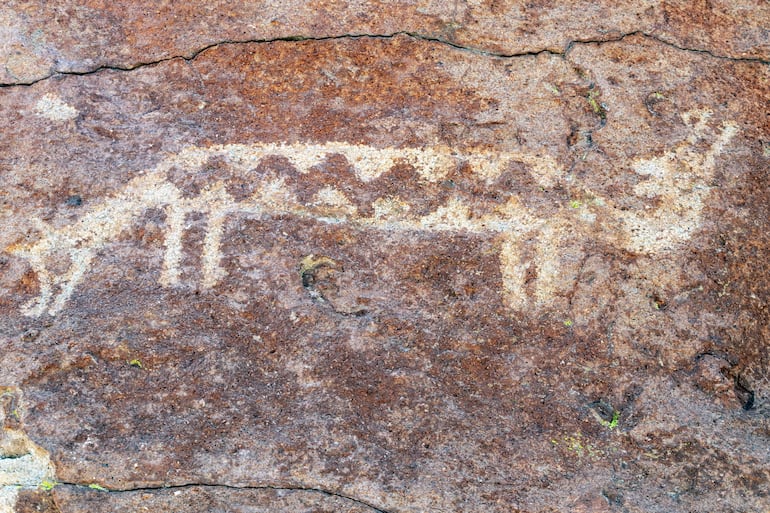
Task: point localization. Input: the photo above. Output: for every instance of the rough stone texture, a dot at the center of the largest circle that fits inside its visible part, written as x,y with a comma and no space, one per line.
41,38
385,273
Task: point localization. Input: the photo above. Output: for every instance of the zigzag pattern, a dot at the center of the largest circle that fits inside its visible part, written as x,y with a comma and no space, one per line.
408,189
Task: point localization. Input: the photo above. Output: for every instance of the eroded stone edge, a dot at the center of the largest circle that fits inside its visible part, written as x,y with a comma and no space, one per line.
24,465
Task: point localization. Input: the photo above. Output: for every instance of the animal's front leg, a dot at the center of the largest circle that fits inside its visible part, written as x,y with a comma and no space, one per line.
513,270
37,306
559,254
516,226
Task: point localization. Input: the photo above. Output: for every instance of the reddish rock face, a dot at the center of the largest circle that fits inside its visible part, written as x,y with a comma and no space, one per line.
385,273
47,38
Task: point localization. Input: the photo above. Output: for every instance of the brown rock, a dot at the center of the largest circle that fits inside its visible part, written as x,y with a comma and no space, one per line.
385,273
44,39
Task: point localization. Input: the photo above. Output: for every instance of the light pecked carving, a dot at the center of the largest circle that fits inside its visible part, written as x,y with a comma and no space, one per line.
678,180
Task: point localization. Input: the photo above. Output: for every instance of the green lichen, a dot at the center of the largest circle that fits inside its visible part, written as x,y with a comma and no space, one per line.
597,107
576,444
568,323
612,424
100,488
552,88
48,485
136,363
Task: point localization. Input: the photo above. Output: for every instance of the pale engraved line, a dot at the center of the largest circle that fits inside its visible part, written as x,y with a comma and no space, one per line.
658,230
81,263
433,164
683,194
175,219
219,204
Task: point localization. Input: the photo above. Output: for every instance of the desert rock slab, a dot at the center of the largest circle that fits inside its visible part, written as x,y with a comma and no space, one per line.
389,274
39,40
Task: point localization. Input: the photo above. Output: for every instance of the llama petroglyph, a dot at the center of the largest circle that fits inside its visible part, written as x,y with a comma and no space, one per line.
677,180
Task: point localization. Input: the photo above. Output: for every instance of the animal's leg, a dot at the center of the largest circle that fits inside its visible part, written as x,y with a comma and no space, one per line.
725,136
36,256
80,264
514,222
36,306
547,258
175,218
559,255
513,271
210,259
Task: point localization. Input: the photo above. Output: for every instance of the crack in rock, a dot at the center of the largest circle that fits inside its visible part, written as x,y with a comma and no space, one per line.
191,56
183,486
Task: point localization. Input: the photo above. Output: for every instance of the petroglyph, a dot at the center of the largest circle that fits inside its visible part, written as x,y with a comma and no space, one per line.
23,463
677,181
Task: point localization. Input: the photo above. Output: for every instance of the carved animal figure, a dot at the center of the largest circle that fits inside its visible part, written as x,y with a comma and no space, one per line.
678,179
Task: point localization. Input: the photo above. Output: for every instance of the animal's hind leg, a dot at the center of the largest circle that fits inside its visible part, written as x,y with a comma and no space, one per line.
80,263
36,306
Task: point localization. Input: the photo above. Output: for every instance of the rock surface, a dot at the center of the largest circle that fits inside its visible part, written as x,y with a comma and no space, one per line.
41,39
426,257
